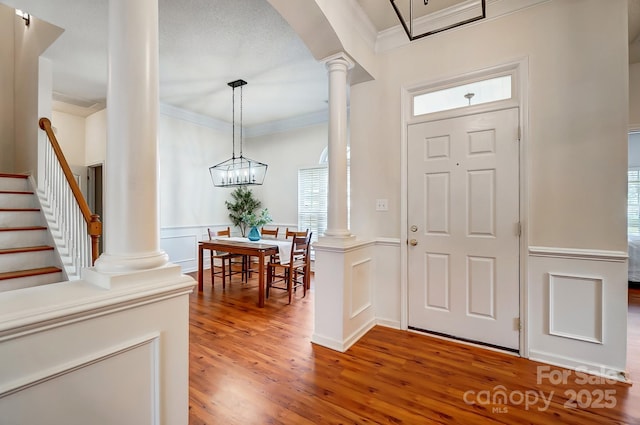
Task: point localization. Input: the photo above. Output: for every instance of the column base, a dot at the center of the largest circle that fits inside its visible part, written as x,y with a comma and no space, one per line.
109,263
342,241
338,233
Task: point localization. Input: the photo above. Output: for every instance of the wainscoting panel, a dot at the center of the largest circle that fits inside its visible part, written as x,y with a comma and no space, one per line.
180,248
361,286
62,394
577,309
584,294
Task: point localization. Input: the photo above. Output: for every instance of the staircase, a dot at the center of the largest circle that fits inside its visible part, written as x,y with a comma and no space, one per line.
27,254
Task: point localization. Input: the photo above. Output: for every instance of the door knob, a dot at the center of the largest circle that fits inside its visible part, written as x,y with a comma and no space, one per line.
413,242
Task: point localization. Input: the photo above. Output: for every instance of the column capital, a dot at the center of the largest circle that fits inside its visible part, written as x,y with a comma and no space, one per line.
340,58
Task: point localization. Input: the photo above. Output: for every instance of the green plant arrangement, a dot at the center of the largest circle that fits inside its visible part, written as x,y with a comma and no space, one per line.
254,221
241,206
257,220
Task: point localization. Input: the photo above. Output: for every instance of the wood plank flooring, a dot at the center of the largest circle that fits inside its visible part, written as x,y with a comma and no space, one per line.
258,366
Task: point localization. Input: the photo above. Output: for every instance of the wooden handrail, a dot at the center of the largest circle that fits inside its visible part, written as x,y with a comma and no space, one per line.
94,226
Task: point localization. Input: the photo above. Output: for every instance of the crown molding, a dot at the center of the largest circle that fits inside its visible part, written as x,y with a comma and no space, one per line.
195,118
288,124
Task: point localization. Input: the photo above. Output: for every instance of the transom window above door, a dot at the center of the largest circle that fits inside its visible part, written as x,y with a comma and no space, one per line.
468,94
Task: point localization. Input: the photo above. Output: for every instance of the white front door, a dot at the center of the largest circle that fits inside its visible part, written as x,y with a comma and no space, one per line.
463,217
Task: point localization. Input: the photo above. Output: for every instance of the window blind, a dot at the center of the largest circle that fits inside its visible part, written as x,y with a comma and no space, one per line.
312,200
633,201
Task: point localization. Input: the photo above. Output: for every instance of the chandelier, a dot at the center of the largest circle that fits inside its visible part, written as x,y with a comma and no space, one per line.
419,18
238,170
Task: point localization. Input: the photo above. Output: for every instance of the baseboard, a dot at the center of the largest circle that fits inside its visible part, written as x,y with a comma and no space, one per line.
388,323
342,346
327,342
579,366
359,333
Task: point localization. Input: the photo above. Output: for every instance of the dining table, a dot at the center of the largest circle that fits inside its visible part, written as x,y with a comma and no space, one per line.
261,249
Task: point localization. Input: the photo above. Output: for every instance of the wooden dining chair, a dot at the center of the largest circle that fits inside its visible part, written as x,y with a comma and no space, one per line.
292,233
226,260
270,233
297,270
283,274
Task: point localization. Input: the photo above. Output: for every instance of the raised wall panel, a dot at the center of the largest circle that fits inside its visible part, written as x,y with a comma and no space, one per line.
481,203
482,142
84,391
360,286
437,148
437,281
437,198
575,307
481,286
180,249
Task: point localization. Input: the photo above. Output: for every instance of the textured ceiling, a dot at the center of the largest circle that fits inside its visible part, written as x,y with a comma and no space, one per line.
203,45
206,43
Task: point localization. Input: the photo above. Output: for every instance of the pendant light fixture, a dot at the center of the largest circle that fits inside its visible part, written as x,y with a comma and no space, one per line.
419,18
241,170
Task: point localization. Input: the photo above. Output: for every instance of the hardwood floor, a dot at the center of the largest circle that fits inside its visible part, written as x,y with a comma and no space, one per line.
258,366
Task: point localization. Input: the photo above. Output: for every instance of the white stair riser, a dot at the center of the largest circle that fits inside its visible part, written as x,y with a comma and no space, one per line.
27,282
10,183
20,218
17,200
26,260
20,239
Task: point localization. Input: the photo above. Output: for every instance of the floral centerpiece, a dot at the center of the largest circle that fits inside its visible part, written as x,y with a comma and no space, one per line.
253,221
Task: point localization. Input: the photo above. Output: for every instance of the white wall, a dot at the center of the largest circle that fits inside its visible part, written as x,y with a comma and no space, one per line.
96,138
634,96
285,153
570,134
30,42
575,147
187,195
70,133
7,147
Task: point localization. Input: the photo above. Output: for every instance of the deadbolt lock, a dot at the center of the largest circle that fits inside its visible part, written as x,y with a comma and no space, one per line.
414,228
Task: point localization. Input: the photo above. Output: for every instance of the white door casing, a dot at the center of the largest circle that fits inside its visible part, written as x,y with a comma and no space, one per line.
463,199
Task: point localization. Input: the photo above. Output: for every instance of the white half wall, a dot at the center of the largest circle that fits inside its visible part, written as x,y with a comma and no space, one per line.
578,300
344,302
80,353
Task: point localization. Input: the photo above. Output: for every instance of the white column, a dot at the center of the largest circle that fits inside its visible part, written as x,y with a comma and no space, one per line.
338,67
131,190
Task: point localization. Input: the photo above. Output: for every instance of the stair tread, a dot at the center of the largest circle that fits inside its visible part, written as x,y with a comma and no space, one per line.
20,209
26,249
14,176
15,229
16,192
30,272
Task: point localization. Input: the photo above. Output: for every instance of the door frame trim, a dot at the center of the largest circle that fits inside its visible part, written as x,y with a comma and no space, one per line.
520,69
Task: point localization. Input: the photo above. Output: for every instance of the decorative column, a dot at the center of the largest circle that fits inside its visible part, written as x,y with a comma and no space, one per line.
338,67
132,239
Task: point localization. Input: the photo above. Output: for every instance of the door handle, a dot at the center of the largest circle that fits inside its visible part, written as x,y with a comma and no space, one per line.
413,242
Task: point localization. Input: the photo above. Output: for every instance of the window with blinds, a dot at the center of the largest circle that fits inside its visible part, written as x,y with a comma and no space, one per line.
633,201
312,200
